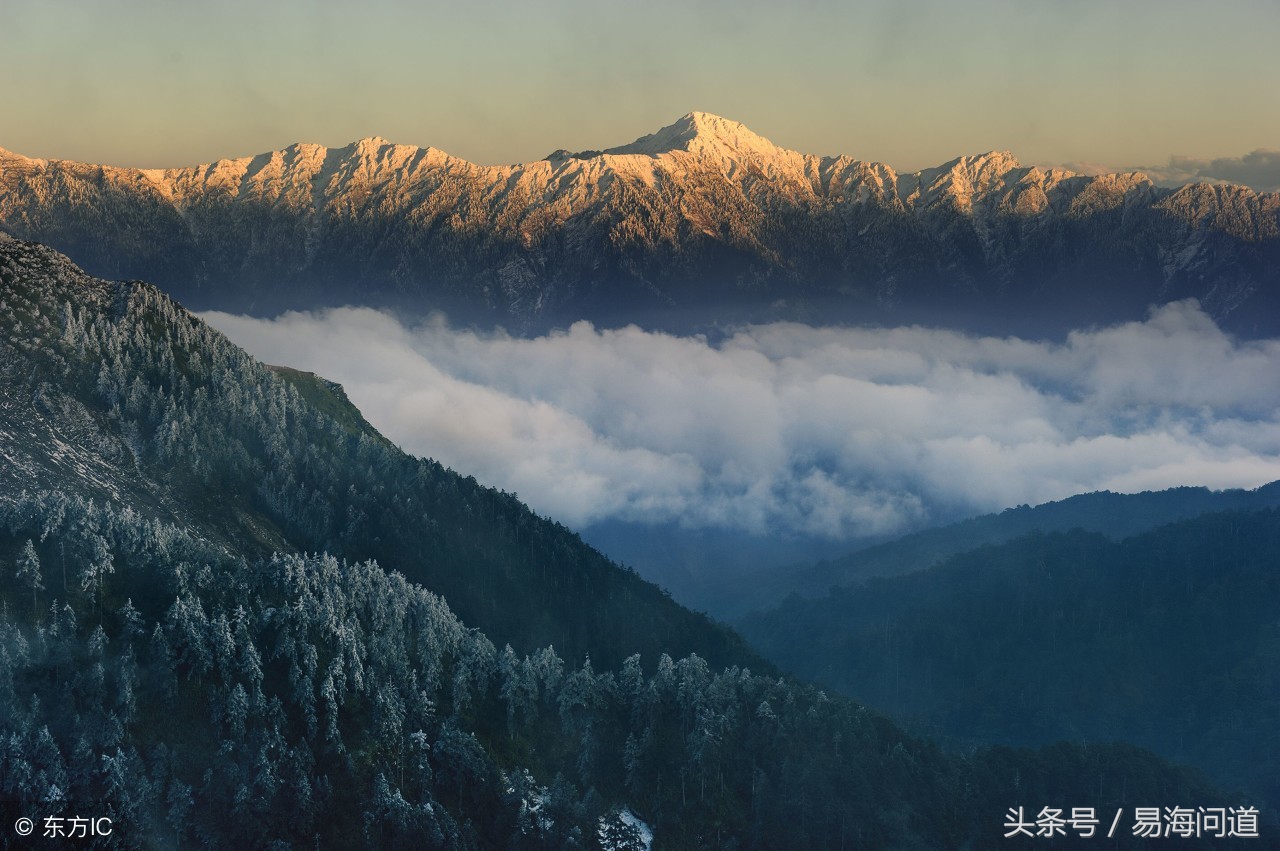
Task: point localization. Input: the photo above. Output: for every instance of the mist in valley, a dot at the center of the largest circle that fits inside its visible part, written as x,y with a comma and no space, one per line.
692,459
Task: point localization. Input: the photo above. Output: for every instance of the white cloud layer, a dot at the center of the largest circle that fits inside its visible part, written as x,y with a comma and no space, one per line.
788,429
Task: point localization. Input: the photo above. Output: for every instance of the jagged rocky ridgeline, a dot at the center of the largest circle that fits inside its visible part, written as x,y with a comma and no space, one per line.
702,220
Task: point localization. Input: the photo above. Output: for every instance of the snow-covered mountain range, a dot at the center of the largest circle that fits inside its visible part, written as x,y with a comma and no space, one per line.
703,217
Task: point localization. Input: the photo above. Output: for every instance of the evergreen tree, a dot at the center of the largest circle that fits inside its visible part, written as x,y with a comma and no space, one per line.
28,573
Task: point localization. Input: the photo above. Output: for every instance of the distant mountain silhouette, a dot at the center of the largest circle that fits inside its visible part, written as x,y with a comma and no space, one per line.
1115,515
1167,639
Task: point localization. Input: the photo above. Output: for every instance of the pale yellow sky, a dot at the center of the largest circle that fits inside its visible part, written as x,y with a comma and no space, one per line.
152,83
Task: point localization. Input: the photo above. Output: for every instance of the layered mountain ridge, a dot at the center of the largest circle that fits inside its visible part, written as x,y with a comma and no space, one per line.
234,616
702,215
1166,639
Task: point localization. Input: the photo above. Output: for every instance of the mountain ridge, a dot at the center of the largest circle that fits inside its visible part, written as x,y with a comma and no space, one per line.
702,215
1116,516
694,132
113,391
1166,639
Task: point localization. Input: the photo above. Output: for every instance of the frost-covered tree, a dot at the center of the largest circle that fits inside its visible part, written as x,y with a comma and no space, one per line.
28,573
617,832
98,565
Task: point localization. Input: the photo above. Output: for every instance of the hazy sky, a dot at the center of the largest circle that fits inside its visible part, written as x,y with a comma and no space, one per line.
150,83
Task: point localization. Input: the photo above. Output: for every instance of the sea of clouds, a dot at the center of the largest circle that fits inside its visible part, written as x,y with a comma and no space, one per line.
784,429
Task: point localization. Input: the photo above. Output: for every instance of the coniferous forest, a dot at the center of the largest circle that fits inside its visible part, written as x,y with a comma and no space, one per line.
235,616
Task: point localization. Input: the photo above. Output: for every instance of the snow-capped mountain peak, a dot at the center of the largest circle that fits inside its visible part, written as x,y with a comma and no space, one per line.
702,131
702,202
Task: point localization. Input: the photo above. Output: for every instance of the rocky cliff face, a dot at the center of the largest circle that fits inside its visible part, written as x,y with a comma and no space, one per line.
702,218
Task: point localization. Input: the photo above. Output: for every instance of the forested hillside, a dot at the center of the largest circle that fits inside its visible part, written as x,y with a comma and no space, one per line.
1168,639
292,700
195,642
179,419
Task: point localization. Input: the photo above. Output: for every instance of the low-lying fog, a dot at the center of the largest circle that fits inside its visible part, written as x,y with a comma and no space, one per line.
787,431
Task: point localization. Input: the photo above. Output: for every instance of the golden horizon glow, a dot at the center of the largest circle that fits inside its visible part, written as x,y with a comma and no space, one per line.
151,84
